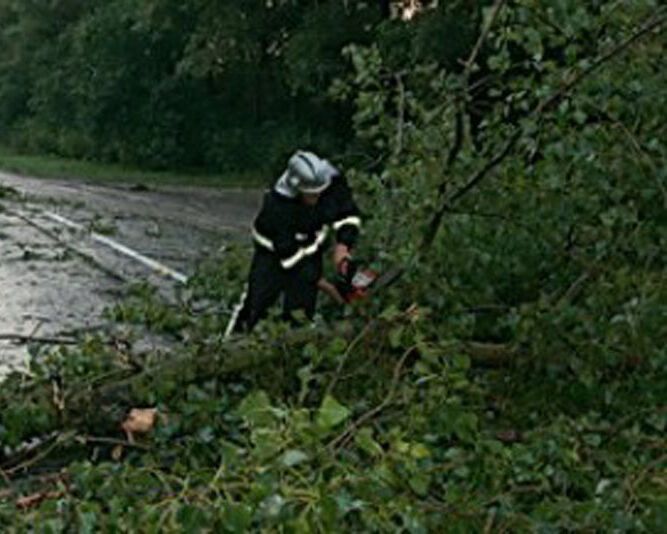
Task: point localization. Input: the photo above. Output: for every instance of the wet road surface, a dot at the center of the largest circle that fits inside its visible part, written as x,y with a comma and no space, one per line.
46,285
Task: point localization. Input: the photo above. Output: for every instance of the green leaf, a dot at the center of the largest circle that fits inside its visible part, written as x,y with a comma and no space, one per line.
272,506
364,440
237,517
465,427
579,117
331,413
337,346
305,375
395,336
419,482
191,519
206,434
390,313
88,522
268,443
461,361
256,409
419,451
594,440
346,503
293,457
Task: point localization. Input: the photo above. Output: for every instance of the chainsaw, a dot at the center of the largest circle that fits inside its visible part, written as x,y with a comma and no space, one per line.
355,282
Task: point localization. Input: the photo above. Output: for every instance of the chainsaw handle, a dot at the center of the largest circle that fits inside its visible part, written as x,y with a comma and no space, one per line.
330,289
346,267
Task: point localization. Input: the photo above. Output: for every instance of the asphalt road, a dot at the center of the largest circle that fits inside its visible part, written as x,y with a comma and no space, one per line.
45,289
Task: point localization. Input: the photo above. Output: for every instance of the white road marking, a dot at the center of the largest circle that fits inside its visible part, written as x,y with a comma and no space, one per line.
120,248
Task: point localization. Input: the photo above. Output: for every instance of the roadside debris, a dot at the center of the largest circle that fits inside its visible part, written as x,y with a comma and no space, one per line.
139,421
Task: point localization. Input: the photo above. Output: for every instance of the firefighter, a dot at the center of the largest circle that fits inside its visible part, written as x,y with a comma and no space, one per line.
309,201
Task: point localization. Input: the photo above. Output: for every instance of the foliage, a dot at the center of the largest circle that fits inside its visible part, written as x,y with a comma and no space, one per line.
165,84
295,447
523,189
553,197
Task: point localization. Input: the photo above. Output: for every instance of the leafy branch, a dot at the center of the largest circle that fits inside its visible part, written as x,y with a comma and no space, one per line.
349,432
436,220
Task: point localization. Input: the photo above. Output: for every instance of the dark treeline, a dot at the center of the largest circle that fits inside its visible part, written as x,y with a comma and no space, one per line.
211,85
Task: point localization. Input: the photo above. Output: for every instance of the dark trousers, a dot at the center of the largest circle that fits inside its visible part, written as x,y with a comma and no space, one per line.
268,281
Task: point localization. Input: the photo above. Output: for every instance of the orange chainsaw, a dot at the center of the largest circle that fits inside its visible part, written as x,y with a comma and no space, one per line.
355,282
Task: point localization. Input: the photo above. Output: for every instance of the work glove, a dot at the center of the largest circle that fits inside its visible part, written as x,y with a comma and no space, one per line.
345,271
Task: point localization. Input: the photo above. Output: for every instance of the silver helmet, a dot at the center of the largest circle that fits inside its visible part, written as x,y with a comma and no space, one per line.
306,173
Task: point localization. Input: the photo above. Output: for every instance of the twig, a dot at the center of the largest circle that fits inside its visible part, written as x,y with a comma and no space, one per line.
72,332
95,381
351,429
59,439
468,65
454,150
30,501
575,288
498,216
488,527
348,351
494,162
497,6
650,467
401,116
456,145
20,338
111,441
636,144
34,331
436,220
6,478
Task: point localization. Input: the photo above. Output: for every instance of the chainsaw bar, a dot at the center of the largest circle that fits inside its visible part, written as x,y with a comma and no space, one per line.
387,278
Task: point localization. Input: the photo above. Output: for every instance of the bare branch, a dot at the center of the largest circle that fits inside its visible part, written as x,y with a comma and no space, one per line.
349,432
22,339
490,165
400,123
436,220
497,6
454,150
104,440
458,139
458,125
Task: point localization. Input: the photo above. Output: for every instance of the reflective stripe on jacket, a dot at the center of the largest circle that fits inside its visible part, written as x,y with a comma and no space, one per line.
287,263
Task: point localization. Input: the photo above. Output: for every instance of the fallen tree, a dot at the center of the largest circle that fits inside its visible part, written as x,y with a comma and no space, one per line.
72,411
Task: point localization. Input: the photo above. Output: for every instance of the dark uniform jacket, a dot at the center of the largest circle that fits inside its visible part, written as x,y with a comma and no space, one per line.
294,231
290,238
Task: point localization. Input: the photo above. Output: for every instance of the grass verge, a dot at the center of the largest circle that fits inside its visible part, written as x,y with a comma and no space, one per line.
40,166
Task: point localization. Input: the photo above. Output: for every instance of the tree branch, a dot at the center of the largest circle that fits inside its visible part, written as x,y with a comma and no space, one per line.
454,150
458,124
347,434
490,165
401,116
436,220
649,26
497,6
434,225
22,339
